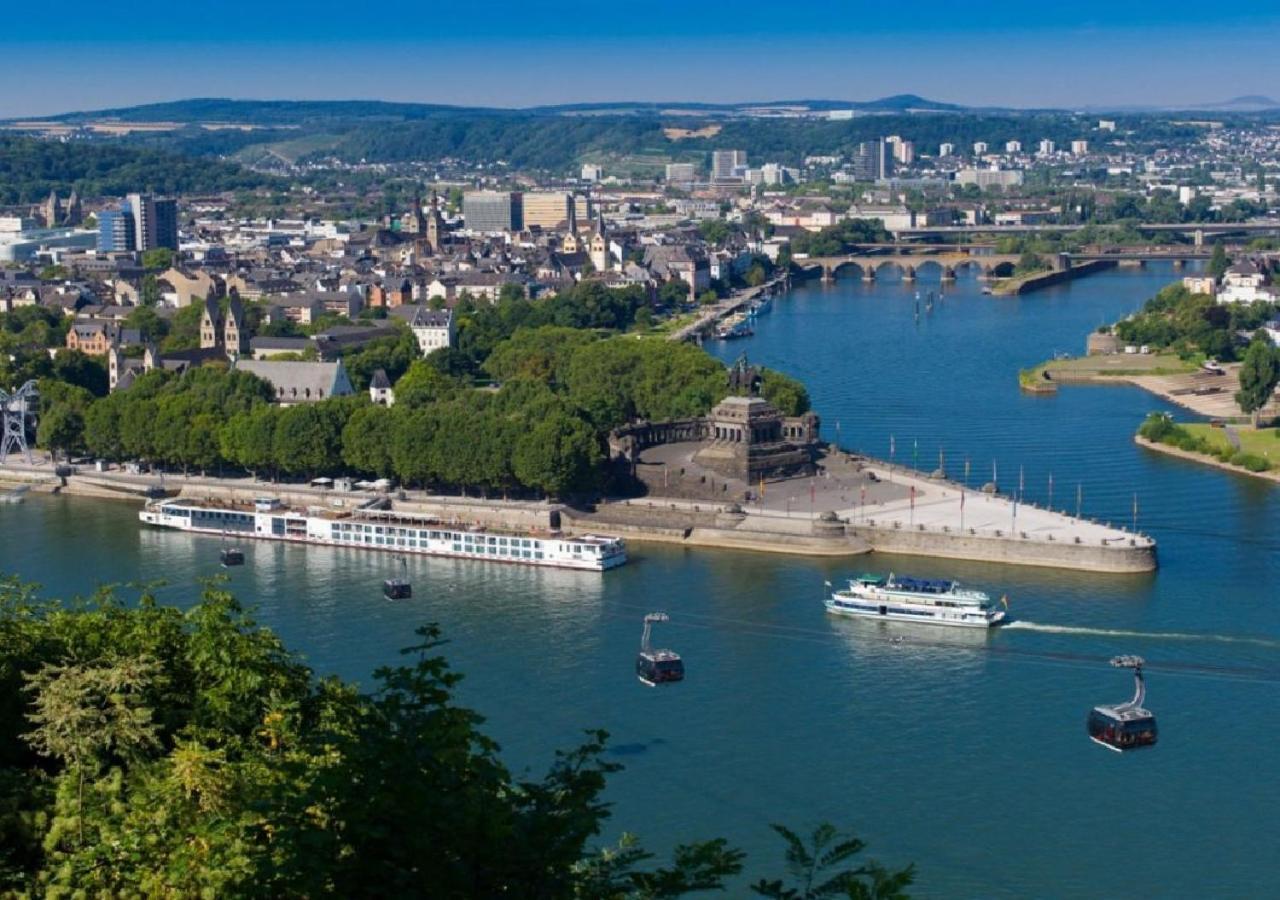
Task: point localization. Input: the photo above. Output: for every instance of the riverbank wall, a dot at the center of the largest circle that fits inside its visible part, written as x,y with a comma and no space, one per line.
1117,556
1025,285
659,520
675,522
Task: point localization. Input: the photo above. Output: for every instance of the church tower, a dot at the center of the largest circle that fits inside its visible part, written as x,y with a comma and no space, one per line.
52,210
599,247
75,211
434,224
234,338
210,324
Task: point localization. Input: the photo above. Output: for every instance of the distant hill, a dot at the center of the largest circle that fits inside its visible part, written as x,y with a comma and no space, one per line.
1247,103
296,112
267,112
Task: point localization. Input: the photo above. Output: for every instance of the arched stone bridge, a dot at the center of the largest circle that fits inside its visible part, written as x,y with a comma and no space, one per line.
995,265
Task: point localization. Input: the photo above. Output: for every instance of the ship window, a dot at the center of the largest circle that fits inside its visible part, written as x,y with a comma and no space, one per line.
457,548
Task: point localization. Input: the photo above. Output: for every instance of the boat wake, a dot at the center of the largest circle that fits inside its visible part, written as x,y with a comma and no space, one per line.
1020,625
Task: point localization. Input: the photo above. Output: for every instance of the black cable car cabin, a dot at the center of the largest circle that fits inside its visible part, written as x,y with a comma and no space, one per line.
654,667
1125,726
231,556
397,589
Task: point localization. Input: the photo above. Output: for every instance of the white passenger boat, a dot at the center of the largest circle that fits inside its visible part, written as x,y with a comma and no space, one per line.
932,602
382,529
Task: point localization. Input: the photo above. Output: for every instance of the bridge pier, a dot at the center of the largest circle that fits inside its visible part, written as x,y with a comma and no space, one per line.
869,274
909,273
828,274
948,274
1198,235
1179,263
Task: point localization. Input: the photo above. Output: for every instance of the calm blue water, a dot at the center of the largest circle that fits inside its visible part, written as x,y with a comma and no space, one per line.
963,753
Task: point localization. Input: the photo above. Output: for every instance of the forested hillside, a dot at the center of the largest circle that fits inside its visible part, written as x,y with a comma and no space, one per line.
30,169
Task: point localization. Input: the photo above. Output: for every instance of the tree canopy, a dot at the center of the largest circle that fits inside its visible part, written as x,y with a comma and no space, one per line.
148,751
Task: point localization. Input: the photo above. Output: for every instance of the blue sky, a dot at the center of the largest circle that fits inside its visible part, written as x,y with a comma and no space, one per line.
501,53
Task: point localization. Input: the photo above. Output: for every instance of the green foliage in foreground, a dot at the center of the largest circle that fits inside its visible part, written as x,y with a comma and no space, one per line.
1160,428
147,751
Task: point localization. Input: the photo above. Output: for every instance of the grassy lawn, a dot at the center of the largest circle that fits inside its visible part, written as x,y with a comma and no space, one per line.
1263,442
1114,364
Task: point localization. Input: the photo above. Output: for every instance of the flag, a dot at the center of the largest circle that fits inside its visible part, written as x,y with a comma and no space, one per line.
812,492
962,499
827,583
913,496
1004,598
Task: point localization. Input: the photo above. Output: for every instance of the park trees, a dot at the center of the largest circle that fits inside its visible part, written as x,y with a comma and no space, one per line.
541,354
308,438
786,393
61,423
1219,262
1259,375
247,439
557,455
367,440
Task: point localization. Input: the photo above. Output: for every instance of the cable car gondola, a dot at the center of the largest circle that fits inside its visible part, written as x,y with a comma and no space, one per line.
230,555
398,588
654,667
1125,726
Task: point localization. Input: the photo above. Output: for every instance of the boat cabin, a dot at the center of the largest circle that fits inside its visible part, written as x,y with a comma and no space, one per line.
232,556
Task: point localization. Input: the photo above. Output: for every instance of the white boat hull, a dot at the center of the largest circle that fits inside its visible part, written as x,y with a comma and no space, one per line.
435,540
887,613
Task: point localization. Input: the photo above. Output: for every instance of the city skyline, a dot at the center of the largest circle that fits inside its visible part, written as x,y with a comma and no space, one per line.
1003,55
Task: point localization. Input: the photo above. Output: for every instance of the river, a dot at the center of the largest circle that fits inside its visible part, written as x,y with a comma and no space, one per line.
965,754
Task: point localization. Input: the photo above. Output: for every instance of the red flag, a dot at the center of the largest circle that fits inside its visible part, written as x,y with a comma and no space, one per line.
812,490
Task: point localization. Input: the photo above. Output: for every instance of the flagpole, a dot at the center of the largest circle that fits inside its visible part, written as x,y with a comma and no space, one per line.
1051,492
1079,497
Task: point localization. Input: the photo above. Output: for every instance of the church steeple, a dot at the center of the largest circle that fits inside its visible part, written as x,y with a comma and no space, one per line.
435,223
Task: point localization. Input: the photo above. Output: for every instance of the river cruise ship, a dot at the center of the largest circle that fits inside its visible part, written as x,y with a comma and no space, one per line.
932,602
383,529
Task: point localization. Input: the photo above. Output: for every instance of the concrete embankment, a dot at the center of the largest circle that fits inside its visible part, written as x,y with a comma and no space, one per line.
1026,284
934,522
1127,556
696,525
